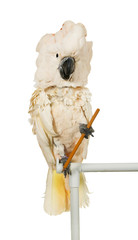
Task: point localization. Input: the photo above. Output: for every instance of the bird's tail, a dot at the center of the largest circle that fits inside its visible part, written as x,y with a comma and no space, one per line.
57,196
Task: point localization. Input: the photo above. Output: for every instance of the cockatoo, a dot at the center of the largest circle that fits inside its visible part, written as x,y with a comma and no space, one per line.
60,108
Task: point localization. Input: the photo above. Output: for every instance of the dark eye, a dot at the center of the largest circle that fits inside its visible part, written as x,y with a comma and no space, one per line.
57,55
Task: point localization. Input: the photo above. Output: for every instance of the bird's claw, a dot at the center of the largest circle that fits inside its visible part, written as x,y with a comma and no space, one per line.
87,131
67,170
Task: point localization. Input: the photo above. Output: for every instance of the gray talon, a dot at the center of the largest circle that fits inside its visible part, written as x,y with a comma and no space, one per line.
67,170
87,131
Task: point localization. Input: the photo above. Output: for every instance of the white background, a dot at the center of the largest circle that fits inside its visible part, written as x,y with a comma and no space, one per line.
113,28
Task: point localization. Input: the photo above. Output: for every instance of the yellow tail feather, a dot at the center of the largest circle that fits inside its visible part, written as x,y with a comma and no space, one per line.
57,197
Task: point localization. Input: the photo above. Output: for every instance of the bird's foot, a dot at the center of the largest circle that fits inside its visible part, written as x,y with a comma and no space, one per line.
67,170
87,131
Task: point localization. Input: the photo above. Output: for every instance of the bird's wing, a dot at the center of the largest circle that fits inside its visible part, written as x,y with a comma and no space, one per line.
87,111
42,121
86,107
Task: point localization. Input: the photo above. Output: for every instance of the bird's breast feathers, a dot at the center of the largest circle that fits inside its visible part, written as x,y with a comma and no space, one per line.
68,106
67,95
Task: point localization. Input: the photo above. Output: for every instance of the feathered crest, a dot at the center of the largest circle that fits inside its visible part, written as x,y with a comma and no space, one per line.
70,40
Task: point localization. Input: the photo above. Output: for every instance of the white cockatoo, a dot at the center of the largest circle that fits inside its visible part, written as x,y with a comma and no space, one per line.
59,105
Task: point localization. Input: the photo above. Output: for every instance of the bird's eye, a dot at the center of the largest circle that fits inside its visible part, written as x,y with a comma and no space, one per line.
57,55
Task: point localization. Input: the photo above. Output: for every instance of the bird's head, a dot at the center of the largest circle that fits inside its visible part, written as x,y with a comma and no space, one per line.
64,57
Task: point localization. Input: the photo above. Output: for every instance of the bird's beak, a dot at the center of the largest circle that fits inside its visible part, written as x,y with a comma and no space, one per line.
66,67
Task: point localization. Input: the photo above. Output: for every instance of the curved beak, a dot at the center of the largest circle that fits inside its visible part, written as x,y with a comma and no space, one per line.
67,67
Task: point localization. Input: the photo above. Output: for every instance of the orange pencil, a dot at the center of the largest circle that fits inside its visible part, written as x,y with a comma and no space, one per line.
80,139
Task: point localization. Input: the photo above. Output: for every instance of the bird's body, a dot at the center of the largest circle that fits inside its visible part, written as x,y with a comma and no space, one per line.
56,112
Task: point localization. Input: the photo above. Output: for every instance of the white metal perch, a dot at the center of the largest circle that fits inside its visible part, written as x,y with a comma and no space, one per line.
74,182
74,178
